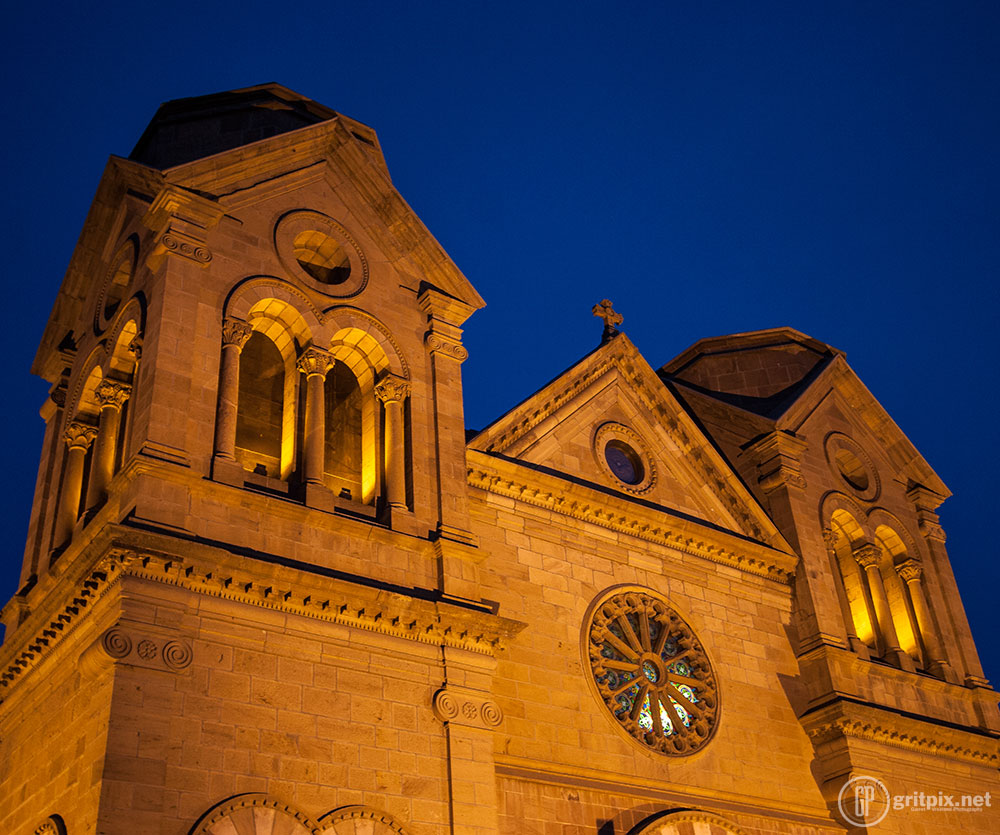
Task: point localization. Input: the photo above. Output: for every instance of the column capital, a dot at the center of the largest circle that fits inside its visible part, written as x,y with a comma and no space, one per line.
440,344
830,540
392,388
867,554
910,569
79,435
112,393
235,332
314,361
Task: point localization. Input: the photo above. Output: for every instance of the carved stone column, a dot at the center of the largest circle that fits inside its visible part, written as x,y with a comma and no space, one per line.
111,395
392,391
911,572
79,437
868,556
235,334
315,364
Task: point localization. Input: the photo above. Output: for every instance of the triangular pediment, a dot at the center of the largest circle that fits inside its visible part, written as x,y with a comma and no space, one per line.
839,388
663,459
744,386
305,149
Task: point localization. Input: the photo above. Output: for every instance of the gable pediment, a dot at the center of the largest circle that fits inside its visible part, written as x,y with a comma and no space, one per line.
840,388
613,397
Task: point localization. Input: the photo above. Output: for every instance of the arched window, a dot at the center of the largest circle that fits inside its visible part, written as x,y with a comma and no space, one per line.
847,531
259,419
893,553
343,432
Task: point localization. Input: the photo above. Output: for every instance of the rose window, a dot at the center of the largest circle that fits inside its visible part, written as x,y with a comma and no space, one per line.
652,673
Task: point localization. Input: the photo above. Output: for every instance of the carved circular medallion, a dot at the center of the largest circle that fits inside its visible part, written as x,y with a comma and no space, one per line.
623,457
652,673
177,655
321,253
116,643
851,463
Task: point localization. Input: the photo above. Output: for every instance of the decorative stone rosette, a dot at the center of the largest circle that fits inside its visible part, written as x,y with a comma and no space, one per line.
456,706
652,673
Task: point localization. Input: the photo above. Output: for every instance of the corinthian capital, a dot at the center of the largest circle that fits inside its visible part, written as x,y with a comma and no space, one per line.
392,388
910,570
79,435
314,361
830,539
235,332
112,393
867,554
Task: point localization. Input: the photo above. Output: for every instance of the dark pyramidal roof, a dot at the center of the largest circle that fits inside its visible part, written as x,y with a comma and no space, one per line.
184,130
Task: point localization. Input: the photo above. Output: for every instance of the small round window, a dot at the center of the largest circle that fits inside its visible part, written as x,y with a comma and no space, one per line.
321,253
852,469
623,458
322,257
624,462
652,673
849,461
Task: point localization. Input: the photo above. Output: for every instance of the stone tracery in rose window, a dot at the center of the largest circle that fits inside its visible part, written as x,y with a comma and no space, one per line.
652,673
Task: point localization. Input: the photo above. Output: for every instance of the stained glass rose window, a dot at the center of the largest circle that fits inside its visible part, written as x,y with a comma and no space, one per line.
652,673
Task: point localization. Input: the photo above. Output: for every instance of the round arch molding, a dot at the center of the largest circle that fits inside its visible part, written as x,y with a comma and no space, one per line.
255,814
690,822
359,820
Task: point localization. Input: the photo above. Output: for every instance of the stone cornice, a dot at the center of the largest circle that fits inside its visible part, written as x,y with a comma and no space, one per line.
510,479
870,723
620,356
217,573
664,792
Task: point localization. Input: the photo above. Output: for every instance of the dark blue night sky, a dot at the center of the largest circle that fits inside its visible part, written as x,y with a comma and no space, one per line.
711,167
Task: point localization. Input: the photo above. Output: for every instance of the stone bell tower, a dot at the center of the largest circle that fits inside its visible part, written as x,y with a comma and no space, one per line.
249,566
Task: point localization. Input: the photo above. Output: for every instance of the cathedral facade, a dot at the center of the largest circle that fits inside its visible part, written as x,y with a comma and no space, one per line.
273,587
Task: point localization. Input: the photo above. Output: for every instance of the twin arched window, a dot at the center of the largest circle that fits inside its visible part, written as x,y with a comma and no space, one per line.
304,414
885,605
271,413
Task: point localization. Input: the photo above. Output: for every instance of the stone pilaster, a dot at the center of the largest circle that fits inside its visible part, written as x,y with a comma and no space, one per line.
778,459
455,543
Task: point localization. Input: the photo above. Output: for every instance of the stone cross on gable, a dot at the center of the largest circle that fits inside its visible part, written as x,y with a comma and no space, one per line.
611,319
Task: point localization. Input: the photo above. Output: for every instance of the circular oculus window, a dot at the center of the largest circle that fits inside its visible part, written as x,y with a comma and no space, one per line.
848,460
652,673
321,253
621,454
321,256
